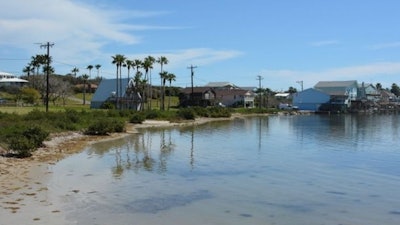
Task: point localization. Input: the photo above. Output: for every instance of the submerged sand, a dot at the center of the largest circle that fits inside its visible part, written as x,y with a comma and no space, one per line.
23,182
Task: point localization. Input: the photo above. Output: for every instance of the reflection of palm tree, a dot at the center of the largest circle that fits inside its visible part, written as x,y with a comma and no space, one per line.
118,170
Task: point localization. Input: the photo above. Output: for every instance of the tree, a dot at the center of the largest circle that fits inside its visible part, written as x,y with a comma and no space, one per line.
37,61
75,71
164,76
118,60
97,66
90,67
85,77
148,65
128,64
379,86
28,69
162,61
292,90
395,89
170,77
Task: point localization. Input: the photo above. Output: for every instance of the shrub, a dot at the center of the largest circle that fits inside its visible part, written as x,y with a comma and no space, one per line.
22,146
108,105
152,114
24,141
137,118
105,126
219,112
186,113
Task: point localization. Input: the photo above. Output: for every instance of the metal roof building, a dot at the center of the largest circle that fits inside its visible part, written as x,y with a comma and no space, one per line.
8,79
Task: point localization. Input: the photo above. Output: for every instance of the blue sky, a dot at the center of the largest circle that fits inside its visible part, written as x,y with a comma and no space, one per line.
228,40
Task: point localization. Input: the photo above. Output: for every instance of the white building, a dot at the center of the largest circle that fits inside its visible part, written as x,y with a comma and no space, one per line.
7,79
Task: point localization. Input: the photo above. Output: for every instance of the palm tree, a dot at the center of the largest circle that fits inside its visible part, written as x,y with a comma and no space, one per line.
75,71
90,67
128,64
162,61
137,63
170,77
28,69
98,70
164,76
118,60
148,65
85,77
36,62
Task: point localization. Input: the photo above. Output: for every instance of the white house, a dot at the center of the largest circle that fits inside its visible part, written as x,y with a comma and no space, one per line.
8,79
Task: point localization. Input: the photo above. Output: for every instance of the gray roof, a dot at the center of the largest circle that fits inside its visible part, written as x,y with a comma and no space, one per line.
220,84
336,87
106,88
336,84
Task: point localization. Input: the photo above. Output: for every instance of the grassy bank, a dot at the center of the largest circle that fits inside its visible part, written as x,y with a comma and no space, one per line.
23,132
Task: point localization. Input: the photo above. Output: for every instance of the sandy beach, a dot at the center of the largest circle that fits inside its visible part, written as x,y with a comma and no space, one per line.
23,189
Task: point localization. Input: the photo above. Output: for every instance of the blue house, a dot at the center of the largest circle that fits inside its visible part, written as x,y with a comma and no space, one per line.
330,95
310,99
128,96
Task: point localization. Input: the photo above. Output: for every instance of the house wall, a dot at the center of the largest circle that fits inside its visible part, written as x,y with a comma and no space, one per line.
310,99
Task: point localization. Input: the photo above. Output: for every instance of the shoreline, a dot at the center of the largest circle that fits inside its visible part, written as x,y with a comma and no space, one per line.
23,186
24,183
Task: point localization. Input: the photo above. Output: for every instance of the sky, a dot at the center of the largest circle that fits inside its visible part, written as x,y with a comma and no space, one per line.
286,42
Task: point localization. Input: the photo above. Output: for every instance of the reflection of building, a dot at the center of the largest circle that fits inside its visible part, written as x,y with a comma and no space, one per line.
7,79
217,93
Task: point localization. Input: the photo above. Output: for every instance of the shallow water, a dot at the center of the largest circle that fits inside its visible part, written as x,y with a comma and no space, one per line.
260,170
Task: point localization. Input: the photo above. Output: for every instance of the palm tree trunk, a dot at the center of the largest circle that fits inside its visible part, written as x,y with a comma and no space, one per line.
169,95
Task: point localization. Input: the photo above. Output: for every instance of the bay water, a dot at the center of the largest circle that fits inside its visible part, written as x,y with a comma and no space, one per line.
283,170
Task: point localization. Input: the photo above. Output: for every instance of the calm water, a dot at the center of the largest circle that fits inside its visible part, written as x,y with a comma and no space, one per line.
260,170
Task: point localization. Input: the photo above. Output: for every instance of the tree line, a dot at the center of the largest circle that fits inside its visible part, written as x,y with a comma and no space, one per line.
142,77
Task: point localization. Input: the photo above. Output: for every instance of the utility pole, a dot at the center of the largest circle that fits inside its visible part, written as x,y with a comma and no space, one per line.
259,78
191,67
47,45
301,83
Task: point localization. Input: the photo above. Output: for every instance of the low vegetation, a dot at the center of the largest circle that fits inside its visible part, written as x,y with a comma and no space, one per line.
21,134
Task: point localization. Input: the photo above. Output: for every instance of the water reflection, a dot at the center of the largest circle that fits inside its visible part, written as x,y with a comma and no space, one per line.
151,149
345,132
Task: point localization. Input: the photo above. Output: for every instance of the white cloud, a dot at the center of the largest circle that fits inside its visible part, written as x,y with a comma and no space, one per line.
79,31
84,33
